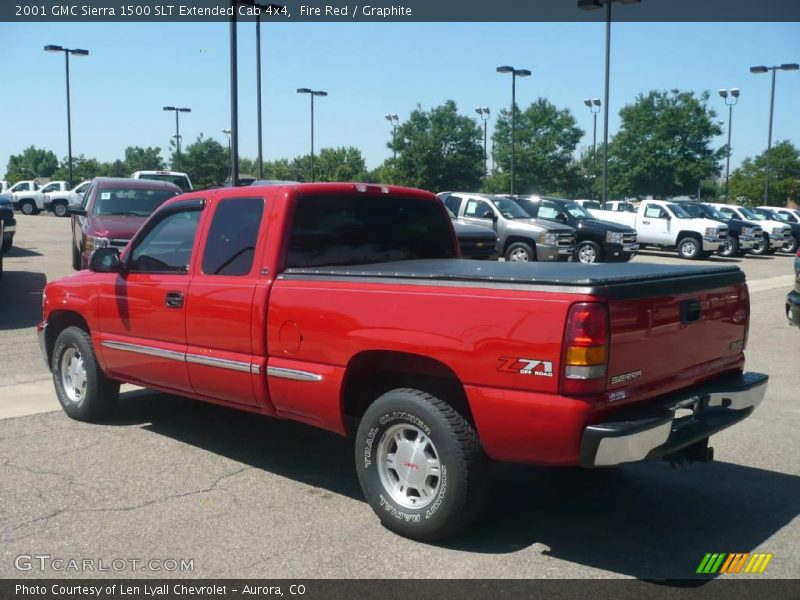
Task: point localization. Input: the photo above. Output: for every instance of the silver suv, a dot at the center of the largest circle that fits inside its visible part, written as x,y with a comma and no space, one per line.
519,237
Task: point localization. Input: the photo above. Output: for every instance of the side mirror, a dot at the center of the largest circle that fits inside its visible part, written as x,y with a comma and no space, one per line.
81,212
105,260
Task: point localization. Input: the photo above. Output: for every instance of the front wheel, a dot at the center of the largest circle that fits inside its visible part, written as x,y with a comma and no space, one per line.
84,392
520,252
689,248
761,247
791,245
589,252
420,464
730,248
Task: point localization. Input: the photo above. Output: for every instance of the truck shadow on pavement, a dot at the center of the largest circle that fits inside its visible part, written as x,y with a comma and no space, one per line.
647,521
20,298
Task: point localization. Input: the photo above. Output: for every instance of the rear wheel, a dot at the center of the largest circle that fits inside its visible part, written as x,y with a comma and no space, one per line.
60,209
589,252
791,245
84,392
520,252
28,207
420,464
689,248
731,247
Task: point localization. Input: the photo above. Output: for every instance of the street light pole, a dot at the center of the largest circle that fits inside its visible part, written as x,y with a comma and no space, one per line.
483,111
312,93
177,110
734,94
763,69
394,120
67,52
514,74
592,103
592,5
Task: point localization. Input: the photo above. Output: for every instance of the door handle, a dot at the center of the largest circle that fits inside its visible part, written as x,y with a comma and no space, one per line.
646,222
174,300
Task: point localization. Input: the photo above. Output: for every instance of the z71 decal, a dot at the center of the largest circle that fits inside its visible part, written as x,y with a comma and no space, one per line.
526,366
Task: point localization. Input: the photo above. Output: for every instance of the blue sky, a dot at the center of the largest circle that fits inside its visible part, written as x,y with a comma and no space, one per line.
368,70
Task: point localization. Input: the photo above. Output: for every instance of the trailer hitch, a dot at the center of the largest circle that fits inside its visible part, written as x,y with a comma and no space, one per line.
697,452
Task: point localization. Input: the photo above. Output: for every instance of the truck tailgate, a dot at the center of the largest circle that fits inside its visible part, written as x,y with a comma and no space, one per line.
686,330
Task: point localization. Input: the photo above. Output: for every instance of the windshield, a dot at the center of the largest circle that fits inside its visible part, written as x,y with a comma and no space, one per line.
694,210
130,202
713,212
180,180
679,212
578,211
510,209
749,214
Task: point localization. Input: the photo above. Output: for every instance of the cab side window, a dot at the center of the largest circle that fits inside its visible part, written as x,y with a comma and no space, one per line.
548,211
453,202
478,209
655,212
167,246
231,243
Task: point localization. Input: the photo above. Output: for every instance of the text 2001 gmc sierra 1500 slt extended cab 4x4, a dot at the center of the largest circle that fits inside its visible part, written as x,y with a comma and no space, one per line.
345,306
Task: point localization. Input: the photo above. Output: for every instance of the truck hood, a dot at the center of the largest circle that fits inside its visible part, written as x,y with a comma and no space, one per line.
600,226
118,227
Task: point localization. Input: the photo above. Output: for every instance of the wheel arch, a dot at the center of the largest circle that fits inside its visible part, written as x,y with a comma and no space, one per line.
688,233
58,321
374,372
513,239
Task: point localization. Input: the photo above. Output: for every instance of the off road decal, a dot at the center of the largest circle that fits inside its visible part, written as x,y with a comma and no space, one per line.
525,366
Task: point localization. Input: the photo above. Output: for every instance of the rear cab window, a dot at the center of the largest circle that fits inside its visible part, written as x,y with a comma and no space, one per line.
231,242
351,229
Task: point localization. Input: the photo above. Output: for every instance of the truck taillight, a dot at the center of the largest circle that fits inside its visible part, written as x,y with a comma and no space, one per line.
585,358
746,300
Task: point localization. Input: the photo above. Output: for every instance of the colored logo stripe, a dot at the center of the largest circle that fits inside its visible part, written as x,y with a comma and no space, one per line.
724,563
711,563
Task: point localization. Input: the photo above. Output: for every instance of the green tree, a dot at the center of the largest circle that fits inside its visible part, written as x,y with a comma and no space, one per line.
82,168
747,182
546,138
340,164
143,159
663,146
206,162
32,163
438,150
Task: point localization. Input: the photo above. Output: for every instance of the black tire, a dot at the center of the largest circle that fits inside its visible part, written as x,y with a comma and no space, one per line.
7,244
76,258
98,395
731,247
60,209
28,207
589,253
520,252
791,245
761,248
689,248
457,495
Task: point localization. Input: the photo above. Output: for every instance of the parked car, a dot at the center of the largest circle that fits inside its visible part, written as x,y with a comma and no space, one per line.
743,236
776,233
22,188
8,220
788,215
59,202
341,306
665,224
175,177
598,241
113,209
31,202
793,297
768,212
520,237
476,241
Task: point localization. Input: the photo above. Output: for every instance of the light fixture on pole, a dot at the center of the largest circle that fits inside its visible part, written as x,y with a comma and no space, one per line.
394,120
483,112
312,93
593,5
67,52
593,103
734,96
177,136
514,74
763,69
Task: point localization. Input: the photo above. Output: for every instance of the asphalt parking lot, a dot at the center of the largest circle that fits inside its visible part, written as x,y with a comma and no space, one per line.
244,496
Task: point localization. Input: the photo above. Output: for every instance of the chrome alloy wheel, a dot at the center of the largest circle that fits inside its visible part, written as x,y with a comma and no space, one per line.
518,255
73,375
587,254
408,466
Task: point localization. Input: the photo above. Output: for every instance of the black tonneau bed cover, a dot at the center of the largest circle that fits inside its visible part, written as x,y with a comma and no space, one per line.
615,280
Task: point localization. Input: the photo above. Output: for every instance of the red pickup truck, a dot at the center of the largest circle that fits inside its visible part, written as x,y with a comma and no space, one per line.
346,306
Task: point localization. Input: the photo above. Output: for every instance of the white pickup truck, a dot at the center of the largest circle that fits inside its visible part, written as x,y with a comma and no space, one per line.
59,202
29,197
665,224
776,233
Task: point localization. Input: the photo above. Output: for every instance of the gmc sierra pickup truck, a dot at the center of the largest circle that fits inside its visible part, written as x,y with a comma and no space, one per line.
346,307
